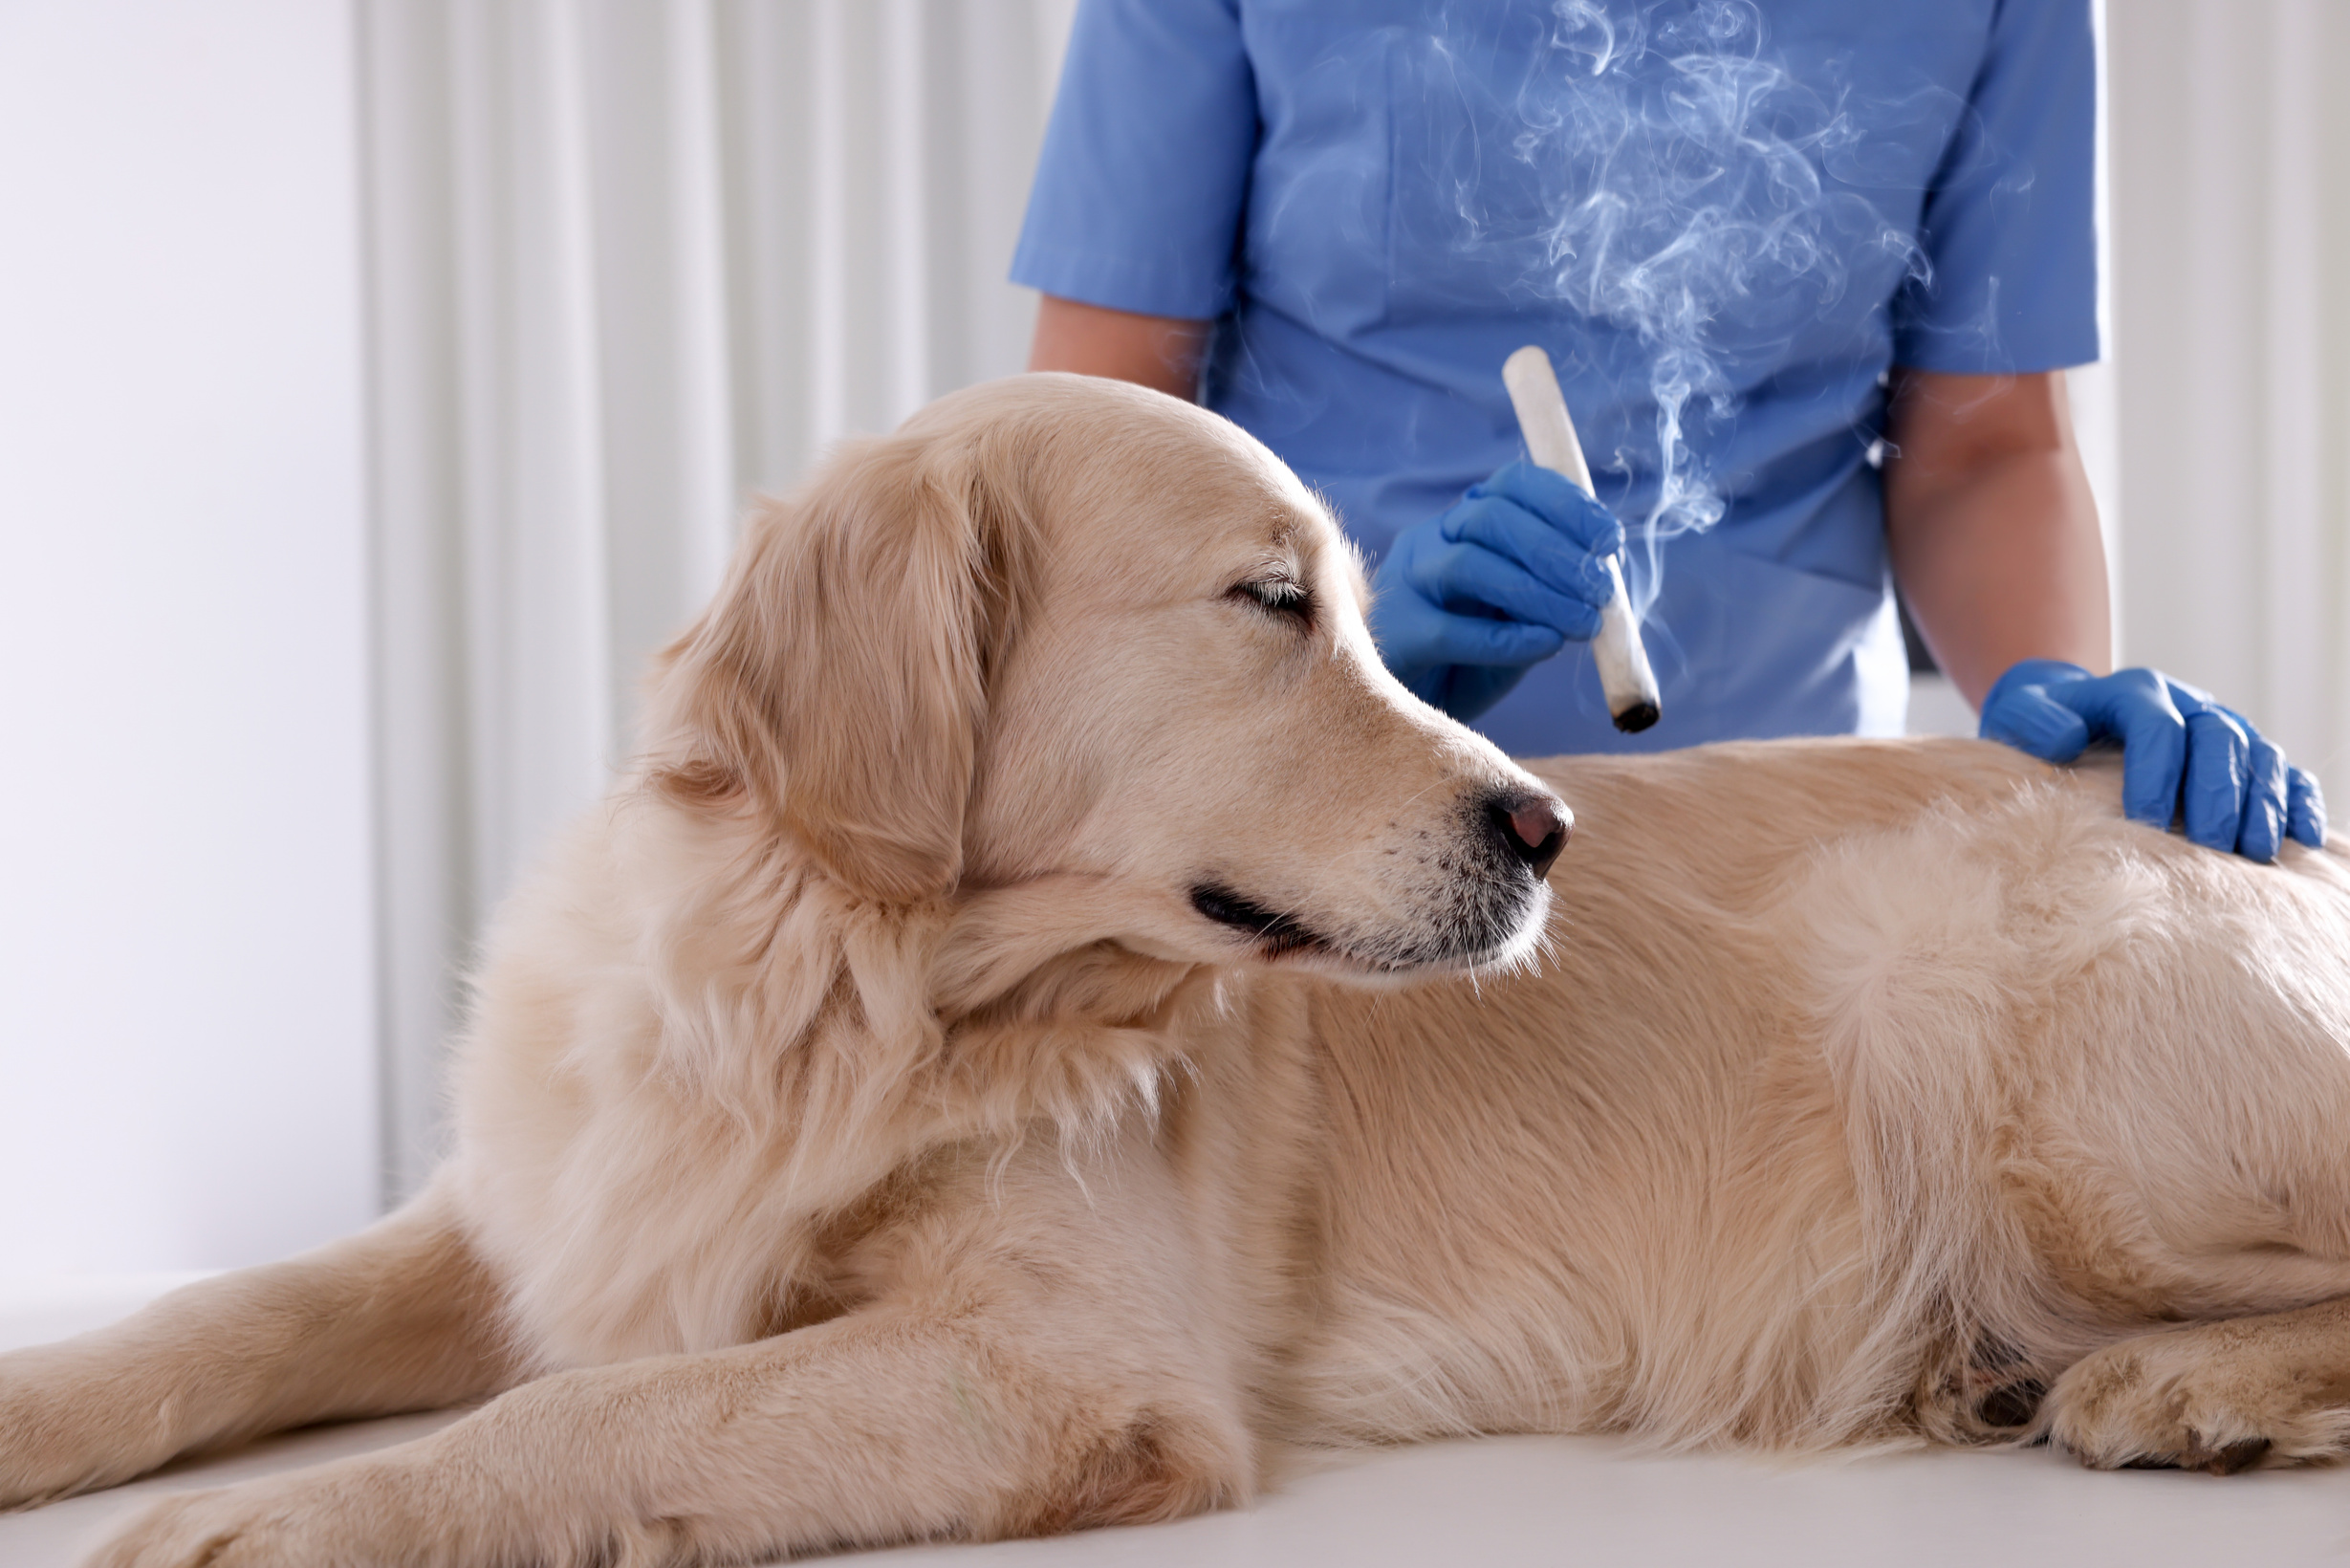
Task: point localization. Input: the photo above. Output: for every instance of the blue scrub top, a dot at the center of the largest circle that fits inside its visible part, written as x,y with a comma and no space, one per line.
1724,221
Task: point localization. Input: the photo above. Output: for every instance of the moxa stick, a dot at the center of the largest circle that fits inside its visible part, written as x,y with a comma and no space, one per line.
1625,675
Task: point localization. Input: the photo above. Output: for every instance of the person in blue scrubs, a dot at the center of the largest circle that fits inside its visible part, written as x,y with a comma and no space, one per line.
1809,270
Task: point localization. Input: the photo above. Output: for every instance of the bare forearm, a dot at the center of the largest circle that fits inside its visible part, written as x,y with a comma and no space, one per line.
1992,529
1159,352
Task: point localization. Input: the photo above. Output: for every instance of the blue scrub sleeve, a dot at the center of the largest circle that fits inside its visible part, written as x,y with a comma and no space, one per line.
2009,226
1144,175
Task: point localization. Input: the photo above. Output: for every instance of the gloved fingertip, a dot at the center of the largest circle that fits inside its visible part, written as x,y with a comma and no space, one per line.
2027,718
2214,809
2305,811
2263,834
2151,777
2150,805
2153,772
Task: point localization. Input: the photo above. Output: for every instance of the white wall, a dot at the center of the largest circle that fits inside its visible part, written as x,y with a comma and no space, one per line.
2230,240
187,1067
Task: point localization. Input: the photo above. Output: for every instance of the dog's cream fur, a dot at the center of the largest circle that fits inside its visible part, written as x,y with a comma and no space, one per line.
866,1133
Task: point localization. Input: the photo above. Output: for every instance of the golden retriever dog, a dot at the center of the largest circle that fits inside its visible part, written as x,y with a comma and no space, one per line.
1049,1017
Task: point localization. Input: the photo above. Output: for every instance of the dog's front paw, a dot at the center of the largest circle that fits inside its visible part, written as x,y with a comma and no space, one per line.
238,1527
395,1506
350,1512
2215,1397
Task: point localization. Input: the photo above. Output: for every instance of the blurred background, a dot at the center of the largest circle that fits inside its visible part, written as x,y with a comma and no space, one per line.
379,382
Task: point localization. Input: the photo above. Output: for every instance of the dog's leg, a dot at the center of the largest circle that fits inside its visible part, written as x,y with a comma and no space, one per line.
950,1421
401,1316
2219,1397
1032,1362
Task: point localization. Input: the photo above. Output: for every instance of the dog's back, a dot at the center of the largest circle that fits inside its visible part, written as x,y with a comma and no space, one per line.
1862,1085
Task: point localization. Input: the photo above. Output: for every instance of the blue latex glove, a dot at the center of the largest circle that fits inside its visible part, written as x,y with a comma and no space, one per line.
2238,794
1464,603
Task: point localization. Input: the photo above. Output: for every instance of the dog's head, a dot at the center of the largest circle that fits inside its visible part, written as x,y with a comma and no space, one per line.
1060,633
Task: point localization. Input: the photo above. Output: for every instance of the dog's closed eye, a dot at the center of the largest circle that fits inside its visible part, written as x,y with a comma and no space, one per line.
1282,596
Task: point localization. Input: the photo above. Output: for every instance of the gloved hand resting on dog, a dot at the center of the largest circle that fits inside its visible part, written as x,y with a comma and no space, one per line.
1464,604
2239,793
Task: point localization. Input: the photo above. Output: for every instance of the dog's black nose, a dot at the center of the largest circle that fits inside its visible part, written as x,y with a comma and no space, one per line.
1533,827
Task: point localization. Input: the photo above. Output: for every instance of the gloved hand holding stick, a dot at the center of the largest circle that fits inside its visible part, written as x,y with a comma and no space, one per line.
1625,675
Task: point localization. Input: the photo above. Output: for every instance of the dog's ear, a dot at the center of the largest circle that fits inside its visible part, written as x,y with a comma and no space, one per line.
835,686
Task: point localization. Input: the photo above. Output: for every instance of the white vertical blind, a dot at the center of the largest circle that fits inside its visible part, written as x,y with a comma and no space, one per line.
631,262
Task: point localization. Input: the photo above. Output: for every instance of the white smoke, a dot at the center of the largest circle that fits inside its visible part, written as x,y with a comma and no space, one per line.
1700,198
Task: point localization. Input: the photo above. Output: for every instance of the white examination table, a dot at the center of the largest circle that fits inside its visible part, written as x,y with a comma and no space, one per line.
1497,1502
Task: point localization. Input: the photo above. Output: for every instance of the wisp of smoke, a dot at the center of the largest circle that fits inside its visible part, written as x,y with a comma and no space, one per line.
1691,197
